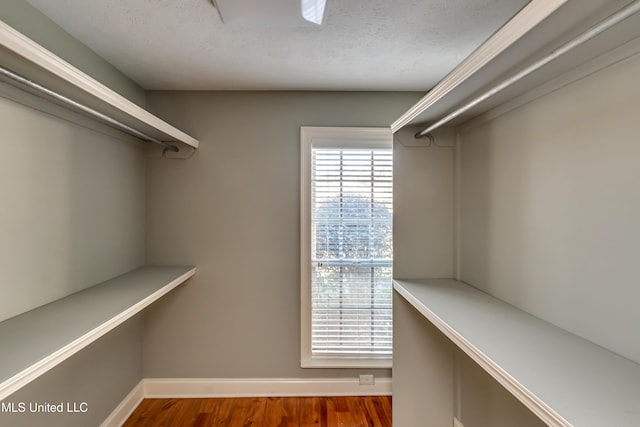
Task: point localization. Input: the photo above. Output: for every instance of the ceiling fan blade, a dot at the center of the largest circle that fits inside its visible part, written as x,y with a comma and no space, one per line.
313,10
217,7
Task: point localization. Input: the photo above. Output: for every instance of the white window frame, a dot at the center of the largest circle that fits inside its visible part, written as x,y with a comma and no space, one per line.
328,137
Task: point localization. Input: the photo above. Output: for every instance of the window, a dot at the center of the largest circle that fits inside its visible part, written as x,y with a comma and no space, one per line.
346,253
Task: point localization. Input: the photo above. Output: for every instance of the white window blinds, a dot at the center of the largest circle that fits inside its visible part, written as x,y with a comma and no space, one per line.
351,252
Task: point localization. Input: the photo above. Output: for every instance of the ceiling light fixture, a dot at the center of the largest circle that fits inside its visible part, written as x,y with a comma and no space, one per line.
313,10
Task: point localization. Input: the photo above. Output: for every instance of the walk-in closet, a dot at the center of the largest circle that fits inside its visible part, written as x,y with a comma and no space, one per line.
153,224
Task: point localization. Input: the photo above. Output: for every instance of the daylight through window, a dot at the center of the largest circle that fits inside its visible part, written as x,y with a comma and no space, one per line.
350,249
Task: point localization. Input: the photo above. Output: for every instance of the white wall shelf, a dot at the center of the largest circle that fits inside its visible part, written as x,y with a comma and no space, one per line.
562,378
38,340
27,58
538,29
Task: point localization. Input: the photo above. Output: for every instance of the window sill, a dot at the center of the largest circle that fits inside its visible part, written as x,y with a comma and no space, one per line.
346,362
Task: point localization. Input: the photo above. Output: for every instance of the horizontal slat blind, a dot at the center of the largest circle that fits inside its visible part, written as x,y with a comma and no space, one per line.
351,223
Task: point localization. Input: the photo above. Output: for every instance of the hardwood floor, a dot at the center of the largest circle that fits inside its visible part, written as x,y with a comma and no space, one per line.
368,411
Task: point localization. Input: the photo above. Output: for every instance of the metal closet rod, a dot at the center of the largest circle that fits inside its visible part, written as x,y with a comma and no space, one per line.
592,32
88,110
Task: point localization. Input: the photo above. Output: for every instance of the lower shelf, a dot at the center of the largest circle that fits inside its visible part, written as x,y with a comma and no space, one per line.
562,378
38,340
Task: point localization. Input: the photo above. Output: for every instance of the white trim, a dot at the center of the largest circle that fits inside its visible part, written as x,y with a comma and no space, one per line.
305,246
261,387
184,388
625,52
43,58
327,137
457,206
345,362
530,16
457,422
38,367
124,410
26,99
531,401
347,137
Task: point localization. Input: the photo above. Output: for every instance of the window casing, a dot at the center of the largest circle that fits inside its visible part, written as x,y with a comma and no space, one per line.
346,247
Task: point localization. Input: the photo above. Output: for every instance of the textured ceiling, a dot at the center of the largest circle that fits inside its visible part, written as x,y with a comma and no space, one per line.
266,45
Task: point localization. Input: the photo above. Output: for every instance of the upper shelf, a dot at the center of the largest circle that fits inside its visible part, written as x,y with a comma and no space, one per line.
27,58
38,340
562,378
537,30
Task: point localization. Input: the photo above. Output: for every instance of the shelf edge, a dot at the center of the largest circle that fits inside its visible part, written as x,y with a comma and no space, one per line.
31,51
530,400
16,382
530,16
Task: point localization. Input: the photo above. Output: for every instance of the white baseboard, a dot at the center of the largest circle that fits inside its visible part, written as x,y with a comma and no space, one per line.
126,407
457,422
259,387
245,387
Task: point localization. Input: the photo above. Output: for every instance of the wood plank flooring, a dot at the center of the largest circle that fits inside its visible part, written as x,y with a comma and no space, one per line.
367,411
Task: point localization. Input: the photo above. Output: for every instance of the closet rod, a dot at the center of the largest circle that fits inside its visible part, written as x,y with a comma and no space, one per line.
88,110
592,32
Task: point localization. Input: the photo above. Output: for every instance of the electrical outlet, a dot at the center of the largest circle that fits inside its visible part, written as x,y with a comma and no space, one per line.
457,422
367,379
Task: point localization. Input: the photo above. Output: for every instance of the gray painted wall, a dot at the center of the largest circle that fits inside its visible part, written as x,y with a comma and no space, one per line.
550,207
29,21
423,247
482,402
549,222
424,205
100,375
233,210
73,211
423,387
72,215
73,207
